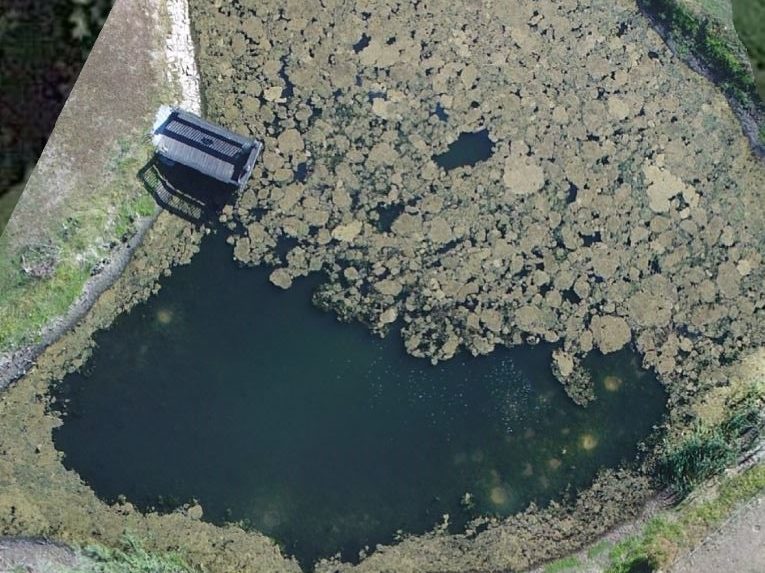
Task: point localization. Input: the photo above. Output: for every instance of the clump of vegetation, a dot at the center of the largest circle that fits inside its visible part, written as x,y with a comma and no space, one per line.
707,451
630,556
39,261
699,456
131,558
599,549
562,565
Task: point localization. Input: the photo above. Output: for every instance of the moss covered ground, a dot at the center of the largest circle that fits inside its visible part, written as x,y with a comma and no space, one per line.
749,19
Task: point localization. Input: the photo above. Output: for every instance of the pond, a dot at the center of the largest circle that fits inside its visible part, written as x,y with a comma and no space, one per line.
224,389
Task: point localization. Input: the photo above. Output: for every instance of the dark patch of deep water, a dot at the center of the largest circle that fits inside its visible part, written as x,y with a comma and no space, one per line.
469,149
225,389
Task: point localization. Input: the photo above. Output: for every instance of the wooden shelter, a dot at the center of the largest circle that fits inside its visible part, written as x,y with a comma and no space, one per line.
185,138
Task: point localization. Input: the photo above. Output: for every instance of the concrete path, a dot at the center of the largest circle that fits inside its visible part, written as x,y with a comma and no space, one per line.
37,556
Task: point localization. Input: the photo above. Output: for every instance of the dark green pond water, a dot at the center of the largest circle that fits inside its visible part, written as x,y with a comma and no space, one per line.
468,149
225,389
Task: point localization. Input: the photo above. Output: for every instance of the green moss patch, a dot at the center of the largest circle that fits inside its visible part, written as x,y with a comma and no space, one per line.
749,19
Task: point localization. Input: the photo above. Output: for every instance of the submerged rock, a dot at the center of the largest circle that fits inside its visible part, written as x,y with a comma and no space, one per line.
195,511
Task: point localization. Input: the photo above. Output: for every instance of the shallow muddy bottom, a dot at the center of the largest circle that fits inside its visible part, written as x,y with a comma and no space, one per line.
224,389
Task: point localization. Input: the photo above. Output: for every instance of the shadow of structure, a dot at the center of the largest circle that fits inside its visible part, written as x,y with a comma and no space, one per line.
184,191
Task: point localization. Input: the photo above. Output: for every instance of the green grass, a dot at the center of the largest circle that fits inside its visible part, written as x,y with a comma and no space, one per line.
27,304
79,242
628,556
706,451
665,536
131,558
749,19
599,549
570,563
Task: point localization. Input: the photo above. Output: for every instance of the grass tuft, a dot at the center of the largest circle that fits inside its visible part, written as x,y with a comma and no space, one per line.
569,564
599,549
707,451
697,457
131,557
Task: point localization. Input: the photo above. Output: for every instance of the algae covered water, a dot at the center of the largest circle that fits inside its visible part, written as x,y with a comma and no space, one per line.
227,390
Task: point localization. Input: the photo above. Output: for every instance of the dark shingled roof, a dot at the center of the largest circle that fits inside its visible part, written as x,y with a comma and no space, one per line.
190,140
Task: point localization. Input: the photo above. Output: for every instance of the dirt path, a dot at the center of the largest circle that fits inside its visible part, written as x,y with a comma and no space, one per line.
738,545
